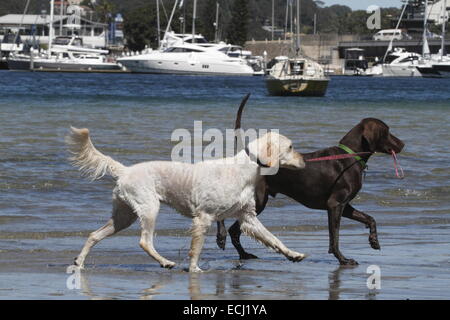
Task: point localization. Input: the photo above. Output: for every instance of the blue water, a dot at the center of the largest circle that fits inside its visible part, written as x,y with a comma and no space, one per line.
47,209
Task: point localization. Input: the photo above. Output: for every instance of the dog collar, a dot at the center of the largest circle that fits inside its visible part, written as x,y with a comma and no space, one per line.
257,160
350,151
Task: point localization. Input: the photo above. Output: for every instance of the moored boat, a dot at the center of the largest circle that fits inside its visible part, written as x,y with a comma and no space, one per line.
298,76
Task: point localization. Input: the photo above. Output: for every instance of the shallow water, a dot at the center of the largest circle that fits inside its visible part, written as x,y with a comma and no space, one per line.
47,209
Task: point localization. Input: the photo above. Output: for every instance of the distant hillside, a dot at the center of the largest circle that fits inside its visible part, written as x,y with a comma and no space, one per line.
334,19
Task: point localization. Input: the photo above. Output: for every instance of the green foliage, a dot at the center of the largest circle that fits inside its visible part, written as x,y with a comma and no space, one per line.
238,27
239,20
140,29
207,19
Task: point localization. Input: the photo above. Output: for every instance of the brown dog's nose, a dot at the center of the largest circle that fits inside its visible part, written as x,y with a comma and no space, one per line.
397,144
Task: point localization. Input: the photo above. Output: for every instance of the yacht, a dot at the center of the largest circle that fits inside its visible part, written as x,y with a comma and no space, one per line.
355,62
10,44
62,61
65,54
188,58
401,63
180,53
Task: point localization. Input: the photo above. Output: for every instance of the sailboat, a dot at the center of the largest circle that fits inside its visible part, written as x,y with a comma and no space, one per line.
298,76
440,61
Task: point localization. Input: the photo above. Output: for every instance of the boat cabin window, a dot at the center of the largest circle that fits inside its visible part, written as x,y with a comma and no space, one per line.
411,58
77,42
391,58
175,49
197,40
297,68
61,41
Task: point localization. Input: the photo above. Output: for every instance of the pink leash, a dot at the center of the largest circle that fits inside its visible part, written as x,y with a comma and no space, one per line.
352,155
397,163
339,156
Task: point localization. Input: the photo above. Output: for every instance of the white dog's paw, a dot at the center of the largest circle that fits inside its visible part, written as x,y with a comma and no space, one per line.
195,269
296,257
78,265
168,264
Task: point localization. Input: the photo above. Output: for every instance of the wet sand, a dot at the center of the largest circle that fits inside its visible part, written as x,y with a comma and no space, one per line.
118,269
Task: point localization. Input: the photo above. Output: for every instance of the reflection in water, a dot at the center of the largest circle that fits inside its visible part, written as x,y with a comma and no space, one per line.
156,288
335,284
334,280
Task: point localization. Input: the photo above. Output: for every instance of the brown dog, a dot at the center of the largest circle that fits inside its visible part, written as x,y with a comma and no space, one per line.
328,185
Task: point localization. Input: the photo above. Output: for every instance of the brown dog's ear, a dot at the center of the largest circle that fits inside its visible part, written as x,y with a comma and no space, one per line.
372,134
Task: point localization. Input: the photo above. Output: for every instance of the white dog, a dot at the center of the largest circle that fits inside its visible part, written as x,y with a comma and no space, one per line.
206,191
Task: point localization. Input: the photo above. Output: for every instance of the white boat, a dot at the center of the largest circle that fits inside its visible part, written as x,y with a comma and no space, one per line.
10,44
440,61
188,58
190,54
62,61
401,63
63,54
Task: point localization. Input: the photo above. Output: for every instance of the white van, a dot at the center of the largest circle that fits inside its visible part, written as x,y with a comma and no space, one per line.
386,35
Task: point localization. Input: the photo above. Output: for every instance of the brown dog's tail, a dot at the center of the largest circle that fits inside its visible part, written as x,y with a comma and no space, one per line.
237,124
91,162
238,142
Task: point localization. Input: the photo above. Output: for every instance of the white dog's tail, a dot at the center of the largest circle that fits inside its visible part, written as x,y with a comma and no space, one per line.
88,159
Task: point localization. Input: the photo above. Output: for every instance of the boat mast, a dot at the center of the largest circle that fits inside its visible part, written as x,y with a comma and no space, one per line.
444,25
216,36
158,23
273,18
171,17
194,16
297,49
425,47
50,31
396,28
286,20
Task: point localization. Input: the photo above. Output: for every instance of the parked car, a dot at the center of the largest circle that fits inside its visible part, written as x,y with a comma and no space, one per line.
387,34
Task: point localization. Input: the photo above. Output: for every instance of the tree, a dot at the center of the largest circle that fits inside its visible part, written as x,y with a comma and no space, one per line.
238,27
207,19
140,29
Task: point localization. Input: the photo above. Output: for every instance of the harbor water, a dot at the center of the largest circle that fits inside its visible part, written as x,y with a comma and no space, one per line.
47,209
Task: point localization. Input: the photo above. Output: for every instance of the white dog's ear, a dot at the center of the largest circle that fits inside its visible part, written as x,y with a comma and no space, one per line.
265,150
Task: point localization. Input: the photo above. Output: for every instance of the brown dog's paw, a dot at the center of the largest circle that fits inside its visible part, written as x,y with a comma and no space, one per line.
373,240
221,241
348,262
247,256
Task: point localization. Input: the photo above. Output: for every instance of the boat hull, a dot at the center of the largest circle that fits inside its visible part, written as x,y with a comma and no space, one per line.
297,87
401,71
442,69
3,64
24,65
196,67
